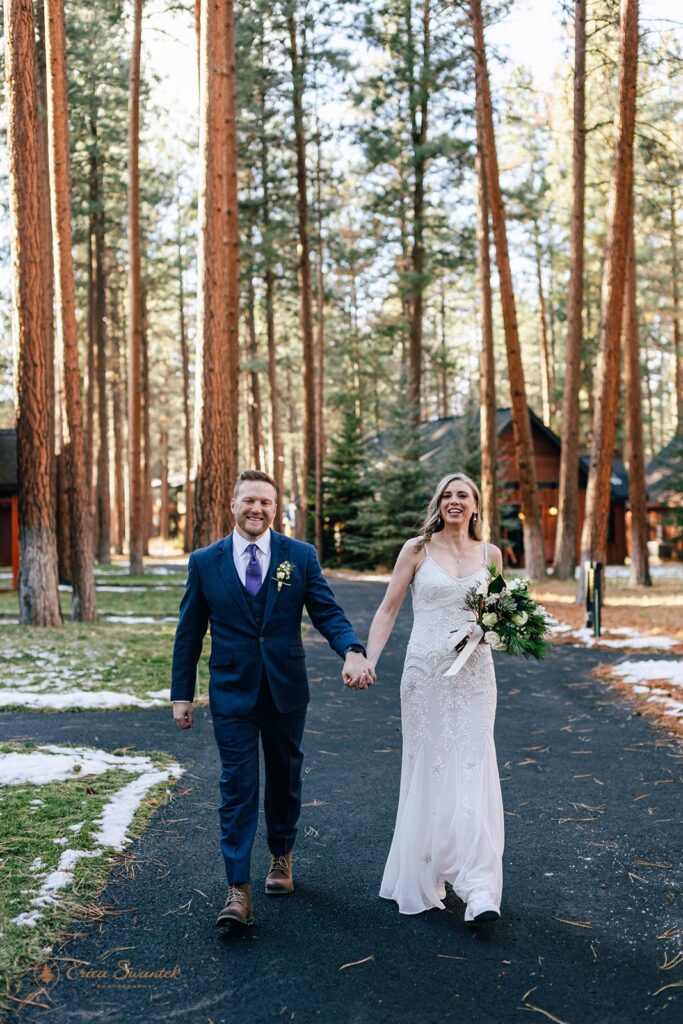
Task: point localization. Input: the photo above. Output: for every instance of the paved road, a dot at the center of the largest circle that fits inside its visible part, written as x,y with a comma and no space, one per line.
591,792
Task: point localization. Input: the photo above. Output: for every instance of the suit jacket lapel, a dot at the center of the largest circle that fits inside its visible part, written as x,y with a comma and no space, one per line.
226,567
277,552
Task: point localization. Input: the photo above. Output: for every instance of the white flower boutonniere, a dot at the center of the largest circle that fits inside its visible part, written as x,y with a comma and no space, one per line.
282,575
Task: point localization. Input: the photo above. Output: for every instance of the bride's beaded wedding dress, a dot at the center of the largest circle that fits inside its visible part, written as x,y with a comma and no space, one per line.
449,824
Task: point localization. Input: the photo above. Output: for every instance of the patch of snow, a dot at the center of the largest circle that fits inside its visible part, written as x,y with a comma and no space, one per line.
138,619
80,699
632,638
60,842
51,763
667,672
642,671
117,813
615,572
113,588
163,694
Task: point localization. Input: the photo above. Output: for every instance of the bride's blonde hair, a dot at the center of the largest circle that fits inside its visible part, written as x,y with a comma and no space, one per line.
433,522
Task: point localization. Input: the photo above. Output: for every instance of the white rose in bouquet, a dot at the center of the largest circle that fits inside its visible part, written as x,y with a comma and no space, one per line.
489,619
483,588
520,619
493,640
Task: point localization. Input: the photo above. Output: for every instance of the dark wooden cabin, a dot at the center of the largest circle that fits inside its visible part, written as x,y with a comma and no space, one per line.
547,449
9,512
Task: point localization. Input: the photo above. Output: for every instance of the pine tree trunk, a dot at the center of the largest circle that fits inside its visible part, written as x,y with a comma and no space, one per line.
38,589
63,527
490,512
136,515
164,531
308,355
635,455
118,390
54,415
187,421
598,492
524,452
145,401
444,354
296,486
103,498
676,317
268,280
84,605
546,382
91,367
255,412
233,258
214,463
568,509
319,358
419,110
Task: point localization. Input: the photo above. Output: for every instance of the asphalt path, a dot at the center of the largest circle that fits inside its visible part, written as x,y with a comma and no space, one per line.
592,873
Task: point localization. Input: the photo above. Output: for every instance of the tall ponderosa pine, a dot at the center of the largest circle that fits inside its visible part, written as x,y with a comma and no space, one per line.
84,605
215,360
487,367
633,417
38,587
135,488
524,452
568,509
298,66
419,86
598,492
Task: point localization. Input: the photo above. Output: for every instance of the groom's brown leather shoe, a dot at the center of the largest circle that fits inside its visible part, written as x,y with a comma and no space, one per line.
238,908
279,880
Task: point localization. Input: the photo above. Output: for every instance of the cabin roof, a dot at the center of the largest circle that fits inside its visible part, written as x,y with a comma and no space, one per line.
664,474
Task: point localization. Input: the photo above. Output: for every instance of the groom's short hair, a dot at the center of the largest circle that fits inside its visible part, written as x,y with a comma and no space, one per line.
254,474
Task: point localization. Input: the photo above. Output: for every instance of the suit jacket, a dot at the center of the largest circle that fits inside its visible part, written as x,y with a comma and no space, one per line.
241,650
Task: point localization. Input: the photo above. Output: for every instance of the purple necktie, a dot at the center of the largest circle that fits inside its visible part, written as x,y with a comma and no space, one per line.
253,577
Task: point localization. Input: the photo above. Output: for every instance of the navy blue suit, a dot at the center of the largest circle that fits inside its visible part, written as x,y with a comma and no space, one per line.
257,682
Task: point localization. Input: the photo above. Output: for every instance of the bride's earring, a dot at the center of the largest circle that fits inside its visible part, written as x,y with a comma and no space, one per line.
475,516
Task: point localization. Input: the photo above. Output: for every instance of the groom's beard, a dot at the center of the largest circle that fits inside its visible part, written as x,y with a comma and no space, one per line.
254,526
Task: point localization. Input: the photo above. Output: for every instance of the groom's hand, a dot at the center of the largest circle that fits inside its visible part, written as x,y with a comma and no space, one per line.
358,673
182,714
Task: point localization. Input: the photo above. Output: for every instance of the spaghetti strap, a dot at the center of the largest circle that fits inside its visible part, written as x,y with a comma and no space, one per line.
484,543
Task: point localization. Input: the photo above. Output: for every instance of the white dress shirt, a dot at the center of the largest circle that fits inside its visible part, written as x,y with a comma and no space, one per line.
241,555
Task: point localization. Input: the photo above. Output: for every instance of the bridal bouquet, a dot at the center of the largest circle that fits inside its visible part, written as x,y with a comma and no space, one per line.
508,618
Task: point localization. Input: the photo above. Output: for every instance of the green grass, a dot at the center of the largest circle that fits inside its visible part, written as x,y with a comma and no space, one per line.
27,832
128,659
161,596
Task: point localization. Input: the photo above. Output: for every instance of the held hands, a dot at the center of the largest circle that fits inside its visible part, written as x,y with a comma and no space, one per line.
358,673
182,714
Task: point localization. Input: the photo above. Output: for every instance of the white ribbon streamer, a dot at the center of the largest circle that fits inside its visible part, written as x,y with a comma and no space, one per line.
475,637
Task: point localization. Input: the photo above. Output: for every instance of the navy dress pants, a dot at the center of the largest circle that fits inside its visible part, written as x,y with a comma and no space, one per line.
237,737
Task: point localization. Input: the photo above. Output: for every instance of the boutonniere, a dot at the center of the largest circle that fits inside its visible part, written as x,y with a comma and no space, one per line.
282,575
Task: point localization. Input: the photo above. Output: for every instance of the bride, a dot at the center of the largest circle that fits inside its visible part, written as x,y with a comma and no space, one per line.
449,824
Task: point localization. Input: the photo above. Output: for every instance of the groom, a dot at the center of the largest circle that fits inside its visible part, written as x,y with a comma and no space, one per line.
251,588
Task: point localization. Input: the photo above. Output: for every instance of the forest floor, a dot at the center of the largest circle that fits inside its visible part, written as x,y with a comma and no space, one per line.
591,928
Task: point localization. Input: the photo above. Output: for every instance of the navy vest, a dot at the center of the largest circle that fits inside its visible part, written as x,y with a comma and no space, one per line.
257,603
